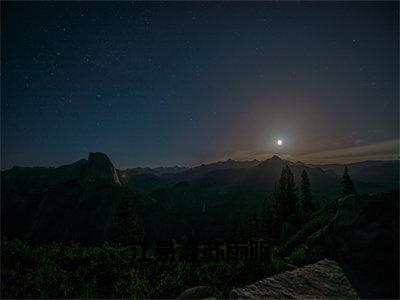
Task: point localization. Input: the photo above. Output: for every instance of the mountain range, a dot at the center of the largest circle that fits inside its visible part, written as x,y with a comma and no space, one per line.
80,201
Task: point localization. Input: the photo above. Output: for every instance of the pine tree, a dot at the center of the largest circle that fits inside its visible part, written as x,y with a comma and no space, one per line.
256,228
238,232
347,183
264,217
235,229
126,230
268,219
286,195
249,227
306,205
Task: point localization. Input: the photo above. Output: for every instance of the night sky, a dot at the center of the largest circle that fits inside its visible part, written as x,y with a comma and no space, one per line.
159,84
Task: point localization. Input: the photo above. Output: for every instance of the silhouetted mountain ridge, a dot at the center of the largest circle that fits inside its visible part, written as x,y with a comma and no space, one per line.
79,201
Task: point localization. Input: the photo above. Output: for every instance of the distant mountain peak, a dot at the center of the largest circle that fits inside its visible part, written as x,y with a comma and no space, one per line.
97,156
275,157
99,166
275,160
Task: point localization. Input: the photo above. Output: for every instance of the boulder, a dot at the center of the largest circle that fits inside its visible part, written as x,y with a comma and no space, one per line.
200,292
322,280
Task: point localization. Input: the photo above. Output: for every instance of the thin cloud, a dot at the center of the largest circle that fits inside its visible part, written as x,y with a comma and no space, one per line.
382,150
379,151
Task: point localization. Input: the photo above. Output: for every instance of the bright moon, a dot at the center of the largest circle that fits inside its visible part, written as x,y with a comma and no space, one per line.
279,142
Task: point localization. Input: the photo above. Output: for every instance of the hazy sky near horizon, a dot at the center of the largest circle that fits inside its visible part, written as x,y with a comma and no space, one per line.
158,84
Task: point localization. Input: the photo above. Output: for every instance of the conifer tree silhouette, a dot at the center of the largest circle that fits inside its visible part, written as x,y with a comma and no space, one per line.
347,183
286,195
306,205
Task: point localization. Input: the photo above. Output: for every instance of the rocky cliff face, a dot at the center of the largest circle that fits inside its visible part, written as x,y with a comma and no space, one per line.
322,280
99,166
364,235
71,202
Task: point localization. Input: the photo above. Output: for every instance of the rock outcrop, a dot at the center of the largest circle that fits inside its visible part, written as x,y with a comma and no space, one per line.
364,235
72,202
322,280
355,255
99,166
200,292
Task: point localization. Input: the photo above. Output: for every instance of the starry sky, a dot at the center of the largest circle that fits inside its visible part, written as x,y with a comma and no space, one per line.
183,83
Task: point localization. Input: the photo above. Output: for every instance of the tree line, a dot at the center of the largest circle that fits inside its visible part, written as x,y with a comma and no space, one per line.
287,210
